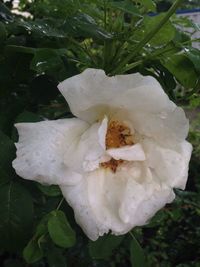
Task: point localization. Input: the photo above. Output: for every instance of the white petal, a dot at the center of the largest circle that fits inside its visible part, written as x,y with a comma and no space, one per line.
101,94
85,153
137,98
130,153
142,201
105,201
171,166
77,197
102,132
41,148
126,199
165,127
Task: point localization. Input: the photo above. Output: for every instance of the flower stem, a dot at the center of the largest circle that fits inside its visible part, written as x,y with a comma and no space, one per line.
149,36
60,203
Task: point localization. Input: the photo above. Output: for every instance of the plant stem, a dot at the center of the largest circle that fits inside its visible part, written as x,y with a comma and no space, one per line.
60,203
132,65
149,36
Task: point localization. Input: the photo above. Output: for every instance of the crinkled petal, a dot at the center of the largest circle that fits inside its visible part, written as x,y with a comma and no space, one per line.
170,166
41,148
142,201
77,198
138,98
165,127
100,93
129,153
118,201
87,151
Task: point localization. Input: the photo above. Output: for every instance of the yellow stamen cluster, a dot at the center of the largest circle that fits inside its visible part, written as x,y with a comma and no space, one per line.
118,135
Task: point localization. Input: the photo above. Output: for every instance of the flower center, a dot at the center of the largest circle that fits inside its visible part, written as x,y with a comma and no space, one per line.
118,135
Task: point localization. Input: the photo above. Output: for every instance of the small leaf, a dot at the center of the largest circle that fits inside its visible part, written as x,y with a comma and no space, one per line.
27,116
32,252
149,5
137,254
104,246
60,231
51,191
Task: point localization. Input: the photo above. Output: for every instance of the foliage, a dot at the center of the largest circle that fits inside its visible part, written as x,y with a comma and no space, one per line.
58,40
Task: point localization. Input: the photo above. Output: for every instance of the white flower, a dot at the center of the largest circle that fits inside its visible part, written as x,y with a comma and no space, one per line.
118,161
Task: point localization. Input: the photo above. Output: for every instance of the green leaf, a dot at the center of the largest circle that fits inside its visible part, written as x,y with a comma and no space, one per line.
3,32
51,191
126,6
32,252
7,152
149,5
182,68
163,36
82,25
45,59
42,27
60,231
16,211
194,56
104,246
27,116
137,254
5,13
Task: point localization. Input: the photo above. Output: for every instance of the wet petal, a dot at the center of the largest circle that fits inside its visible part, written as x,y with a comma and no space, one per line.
170,166
129,153
41,148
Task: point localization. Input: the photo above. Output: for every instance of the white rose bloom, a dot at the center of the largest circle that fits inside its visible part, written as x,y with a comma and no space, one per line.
118,161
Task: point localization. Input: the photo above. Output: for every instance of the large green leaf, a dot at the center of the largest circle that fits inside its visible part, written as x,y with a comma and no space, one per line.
182,68
46,59
104,246
42,27
82,25
162,37
60,231
16,211
137,254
